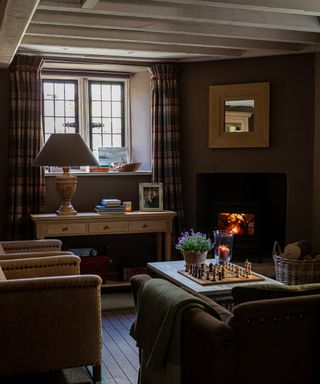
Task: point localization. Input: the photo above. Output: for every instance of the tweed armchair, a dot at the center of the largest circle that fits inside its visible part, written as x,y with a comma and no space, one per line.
50,316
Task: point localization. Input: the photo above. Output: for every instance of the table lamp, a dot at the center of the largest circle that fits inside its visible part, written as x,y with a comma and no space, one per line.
65,150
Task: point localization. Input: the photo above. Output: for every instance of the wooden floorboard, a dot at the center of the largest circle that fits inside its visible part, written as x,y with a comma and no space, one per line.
119,352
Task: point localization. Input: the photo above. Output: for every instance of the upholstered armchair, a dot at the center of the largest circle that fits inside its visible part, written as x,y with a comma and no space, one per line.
50,316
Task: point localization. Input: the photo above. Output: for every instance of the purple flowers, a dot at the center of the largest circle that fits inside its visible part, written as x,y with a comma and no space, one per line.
194,242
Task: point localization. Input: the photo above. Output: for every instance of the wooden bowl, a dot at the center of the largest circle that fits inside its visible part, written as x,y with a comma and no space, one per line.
130,167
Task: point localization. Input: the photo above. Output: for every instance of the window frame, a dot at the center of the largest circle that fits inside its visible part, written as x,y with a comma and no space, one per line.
83,104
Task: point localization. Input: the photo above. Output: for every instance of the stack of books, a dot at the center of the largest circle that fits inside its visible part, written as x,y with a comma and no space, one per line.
113,206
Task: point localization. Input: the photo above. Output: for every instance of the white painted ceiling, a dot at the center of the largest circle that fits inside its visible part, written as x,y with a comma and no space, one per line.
147,31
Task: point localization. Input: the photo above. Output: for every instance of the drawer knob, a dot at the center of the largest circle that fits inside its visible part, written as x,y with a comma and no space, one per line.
145,225
65,229
106,227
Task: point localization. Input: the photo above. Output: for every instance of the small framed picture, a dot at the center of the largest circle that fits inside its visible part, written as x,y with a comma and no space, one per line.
150,197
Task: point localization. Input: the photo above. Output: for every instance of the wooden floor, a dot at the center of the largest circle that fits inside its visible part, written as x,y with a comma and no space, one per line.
119,353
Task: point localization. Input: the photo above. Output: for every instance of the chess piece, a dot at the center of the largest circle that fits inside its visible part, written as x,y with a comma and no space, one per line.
237,271
220,275
214,276
210,267
208,275
222,271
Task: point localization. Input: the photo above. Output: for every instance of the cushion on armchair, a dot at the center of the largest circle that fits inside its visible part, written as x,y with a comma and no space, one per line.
272,291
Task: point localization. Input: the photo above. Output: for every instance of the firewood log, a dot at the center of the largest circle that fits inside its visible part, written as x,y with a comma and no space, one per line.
297,250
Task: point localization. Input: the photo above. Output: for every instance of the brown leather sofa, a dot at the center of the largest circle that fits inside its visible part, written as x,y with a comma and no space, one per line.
266,342
50,316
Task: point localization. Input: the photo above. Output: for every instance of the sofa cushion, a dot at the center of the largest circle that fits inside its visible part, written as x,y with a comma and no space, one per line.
272,291
2,275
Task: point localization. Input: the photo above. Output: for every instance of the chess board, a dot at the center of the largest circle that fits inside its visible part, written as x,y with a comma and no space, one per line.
230,276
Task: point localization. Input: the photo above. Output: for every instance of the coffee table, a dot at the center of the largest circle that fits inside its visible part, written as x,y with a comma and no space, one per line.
169,271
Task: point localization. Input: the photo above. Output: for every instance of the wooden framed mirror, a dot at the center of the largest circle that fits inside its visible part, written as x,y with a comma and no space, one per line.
239,115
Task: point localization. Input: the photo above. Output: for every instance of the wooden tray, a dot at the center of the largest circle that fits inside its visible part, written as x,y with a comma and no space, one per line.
230,277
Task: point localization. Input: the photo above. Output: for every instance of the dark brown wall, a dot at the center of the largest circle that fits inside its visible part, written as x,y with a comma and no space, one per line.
291,130
4,123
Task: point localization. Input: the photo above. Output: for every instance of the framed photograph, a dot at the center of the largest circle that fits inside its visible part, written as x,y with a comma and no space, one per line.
150,196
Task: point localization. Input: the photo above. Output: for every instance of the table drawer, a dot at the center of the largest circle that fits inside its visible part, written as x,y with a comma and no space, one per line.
66,229
147,226
108,226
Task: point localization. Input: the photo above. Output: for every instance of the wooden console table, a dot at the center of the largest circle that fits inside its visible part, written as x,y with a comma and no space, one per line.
86,224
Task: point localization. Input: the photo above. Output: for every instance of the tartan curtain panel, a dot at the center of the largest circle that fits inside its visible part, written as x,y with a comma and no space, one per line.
166,155
26,184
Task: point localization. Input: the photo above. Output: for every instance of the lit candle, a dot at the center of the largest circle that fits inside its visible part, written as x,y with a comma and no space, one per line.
127,206
223,252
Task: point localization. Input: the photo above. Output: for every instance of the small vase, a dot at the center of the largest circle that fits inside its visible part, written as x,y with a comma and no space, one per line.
194,257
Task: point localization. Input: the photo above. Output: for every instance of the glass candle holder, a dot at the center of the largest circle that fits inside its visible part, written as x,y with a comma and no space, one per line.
223,243
127,206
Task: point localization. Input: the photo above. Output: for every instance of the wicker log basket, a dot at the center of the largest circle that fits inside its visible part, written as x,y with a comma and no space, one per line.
294,271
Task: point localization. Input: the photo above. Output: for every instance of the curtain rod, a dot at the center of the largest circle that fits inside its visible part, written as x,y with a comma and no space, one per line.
81,72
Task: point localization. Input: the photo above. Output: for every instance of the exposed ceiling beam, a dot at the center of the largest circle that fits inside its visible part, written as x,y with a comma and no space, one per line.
56,40
18,14
89,4
298,7
193,13
160,38
3,7
153,25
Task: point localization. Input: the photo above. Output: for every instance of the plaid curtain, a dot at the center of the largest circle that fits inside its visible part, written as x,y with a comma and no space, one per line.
26,184
166,155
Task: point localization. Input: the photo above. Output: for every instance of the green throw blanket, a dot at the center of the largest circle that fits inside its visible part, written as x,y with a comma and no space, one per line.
157,329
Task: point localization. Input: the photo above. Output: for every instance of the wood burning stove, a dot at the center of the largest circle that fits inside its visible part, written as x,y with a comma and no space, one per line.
243,219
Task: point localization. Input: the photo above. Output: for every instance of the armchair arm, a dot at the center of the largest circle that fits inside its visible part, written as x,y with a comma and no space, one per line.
41,267
28,255
31,245
50,323
207,342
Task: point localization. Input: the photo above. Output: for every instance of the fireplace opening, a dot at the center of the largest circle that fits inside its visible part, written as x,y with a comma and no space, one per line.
237,223
251,205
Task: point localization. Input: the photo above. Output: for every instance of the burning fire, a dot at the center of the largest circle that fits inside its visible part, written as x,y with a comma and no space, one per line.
237,223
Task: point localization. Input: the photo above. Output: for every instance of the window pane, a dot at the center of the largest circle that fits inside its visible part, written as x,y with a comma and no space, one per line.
59,124
106,92
70,108
96,141
48,108
49,124
116,125
96,125
95,92
96,108
116,109
117,141
47,90
70,125
106,108
60,115
107,140
116,92
59,91
46,137
106,125
70,91
59,108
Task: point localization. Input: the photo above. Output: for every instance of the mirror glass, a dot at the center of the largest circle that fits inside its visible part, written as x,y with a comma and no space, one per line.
238,116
